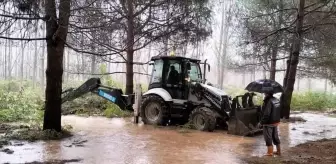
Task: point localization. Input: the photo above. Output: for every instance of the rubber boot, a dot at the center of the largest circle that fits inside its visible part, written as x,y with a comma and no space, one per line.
269,151
278,152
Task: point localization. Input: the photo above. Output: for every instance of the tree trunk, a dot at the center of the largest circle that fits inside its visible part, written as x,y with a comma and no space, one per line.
219,58
273,61
325,85
79,63
264,73
83,57
286,73
42,61
243,81
223,56
35,60
130,51
297,41
266,64
27,73
22,60
56,36
166,41
83,66
282,99
287,66
42,65
309,84
93,64
9,60
6,62
9,64
147,65
65,73
275,45
298,84
218,69
68,65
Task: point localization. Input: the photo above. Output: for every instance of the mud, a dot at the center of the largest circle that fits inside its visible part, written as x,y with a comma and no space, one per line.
294,119
322,151
118,140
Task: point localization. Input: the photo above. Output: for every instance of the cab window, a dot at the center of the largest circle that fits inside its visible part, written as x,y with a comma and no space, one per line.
195,72
174,72
157,71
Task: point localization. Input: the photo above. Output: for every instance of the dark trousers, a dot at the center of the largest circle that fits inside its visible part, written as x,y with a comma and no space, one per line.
271,135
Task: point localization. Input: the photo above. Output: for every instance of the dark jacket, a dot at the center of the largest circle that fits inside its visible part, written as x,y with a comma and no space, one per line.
270,111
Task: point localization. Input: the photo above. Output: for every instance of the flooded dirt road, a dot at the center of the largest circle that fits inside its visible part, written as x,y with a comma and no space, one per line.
119,141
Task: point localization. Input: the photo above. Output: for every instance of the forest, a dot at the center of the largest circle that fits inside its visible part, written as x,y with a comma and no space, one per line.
48,46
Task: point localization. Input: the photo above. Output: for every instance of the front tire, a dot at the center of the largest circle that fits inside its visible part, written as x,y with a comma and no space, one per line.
203,119
154,110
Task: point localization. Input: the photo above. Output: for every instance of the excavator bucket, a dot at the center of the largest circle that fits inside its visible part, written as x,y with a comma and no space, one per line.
243,120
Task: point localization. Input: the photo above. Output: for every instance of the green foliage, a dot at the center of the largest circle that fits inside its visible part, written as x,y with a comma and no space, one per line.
113,110
313,101
20,102
87,104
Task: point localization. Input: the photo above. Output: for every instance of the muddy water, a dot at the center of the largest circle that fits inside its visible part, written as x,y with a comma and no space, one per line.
291,134
119,141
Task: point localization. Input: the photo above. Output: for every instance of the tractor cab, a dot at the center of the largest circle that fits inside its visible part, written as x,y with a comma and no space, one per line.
173,73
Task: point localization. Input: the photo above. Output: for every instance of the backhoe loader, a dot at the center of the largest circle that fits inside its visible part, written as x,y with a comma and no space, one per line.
178,91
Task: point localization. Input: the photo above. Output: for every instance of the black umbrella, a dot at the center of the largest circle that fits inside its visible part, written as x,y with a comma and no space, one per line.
264,86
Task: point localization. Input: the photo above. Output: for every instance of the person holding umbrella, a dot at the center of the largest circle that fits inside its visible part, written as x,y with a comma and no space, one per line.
271,112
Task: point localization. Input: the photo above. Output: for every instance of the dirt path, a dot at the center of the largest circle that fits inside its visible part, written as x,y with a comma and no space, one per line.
314,152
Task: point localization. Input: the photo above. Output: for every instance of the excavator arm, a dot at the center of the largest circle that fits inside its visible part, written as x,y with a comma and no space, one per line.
114,95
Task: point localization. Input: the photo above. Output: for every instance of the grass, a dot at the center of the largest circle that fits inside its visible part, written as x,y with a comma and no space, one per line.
313,101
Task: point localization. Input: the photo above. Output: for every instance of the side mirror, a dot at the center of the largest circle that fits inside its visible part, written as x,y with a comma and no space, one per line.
188,66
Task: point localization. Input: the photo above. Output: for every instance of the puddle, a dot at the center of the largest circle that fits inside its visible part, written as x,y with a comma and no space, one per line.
117,140
316,127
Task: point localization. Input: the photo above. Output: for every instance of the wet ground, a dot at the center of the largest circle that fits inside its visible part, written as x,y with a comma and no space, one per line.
103,140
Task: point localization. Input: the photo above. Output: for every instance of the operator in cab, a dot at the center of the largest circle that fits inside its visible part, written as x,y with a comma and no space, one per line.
270,121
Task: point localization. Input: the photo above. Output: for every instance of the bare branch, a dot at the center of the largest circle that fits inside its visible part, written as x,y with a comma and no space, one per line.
21,39
23,18
88,52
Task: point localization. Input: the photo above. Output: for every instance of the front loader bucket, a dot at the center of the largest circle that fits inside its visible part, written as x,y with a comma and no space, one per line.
243,122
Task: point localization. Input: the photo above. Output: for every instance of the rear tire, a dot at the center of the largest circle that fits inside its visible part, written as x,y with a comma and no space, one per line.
154,110
203,119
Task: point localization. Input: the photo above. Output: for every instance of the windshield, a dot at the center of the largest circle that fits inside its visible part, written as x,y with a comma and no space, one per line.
195,73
